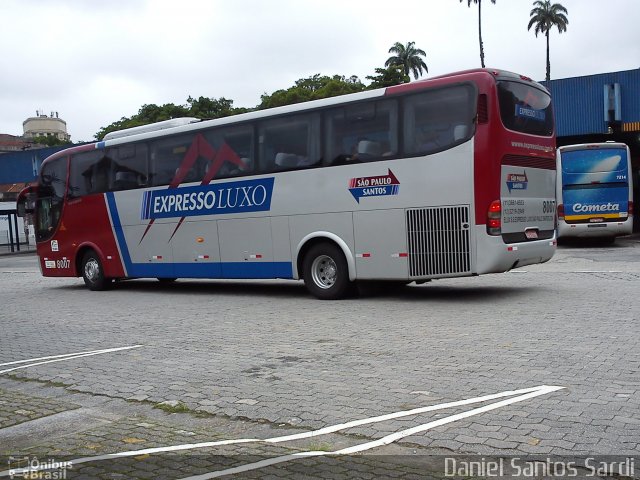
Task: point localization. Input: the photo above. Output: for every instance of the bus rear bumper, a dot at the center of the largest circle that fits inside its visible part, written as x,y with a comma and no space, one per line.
594,230
495,256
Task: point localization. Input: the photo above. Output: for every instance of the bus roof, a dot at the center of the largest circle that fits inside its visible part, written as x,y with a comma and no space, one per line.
151,127
592,146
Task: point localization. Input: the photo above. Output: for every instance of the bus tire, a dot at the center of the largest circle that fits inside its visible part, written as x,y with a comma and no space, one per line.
93,272
326,273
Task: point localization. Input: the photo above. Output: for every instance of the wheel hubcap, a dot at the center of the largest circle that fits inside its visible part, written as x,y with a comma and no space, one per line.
324,271
92,270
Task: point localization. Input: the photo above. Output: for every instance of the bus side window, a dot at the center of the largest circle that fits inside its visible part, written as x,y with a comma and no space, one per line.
234,151
362,132
129,167
438,120
290,143
101,174
85,176
166,161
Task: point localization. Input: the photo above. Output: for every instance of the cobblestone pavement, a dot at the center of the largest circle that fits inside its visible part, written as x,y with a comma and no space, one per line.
262,359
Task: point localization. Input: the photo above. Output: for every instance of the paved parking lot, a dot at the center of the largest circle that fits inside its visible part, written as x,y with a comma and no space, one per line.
217,361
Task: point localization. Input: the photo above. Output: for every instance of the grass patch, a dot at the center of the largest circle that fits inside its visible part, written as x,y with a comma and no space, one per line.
320,447
173,407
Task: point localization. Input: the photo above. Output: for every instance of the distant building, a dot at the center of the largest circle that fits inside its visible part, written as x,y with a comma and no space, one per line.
12,143
45,126
20,169
600,107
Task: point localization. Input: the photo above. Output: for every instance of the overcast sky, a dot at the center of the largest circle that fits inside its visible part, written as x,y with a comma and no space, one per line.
95,61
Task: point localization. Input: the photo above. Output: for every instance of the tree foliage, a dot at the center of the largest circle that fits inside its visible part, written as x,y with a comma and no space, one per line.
202,107
49,141
408,57
544,17
408,60
388,77
312,88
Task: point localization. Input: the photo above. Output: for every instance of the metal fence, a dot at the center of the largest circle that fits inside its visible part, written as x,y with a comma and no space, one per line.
13,233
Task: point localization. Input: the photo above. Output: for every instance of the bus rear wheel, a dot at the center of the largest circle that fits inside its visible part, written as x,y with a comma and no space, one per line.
93,272
326,273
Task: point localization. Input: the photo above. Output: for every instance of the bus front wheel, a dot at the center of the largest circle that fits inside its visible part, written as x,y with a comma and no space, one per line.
93,272
326,274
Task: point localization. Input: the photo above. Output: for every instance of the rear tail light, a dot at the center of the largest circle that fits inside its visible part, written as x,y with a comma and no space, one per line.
630,208
494,218
560,211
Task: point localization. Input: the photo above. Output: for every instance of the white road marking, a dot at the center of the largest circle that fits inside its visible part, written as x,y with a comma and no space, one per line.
62,358
523,394
597,271
574,271
54,356
543,390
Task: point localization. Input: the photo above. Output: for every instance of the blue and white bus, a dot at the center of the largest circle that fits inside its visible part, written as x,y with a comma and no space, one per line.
594,190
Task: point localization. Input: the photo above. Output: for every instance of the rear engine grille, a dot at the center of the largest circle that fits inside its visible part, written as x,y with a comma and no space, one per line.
438,240
531,162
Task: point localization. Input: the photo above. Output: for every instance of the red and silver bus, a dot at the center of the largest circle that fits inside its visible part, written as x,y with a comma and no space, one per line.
445,177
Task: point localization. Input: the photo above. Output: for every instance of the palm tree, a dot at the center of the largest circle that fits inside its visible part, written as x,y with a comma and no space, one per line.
479,2
544,17
408,57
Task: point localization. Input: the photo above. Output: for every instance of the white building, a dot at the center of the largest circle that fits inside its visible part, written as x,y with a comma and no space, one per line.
43,125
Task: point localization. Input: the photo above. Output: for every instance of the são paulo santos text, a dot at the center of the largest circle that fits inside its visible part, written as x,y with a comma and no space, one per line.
237,197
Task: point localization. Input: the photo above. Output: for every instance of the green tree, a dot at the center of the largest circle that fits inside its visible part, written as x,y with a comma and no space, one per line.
50,141
479,2
408,57
312,88
544,17
203,108
388,77
207,108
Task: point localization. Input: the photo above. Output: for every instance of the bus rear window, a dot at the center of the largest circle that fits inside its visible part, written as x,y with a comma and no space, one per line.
594,160
600,166
525,109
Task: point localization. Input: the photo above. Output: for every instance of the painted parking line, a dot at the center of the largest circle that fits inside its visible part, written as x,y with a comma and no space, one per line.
598,271
61,358
573,271
517,396
543,390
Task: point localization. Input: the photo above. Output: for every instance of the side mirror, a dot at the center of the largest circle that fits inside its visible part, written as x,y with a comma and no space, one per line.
26,203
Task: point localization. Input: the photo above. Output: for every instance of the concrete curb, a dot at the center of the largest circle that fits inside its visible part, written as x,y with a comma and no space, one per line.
21,252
